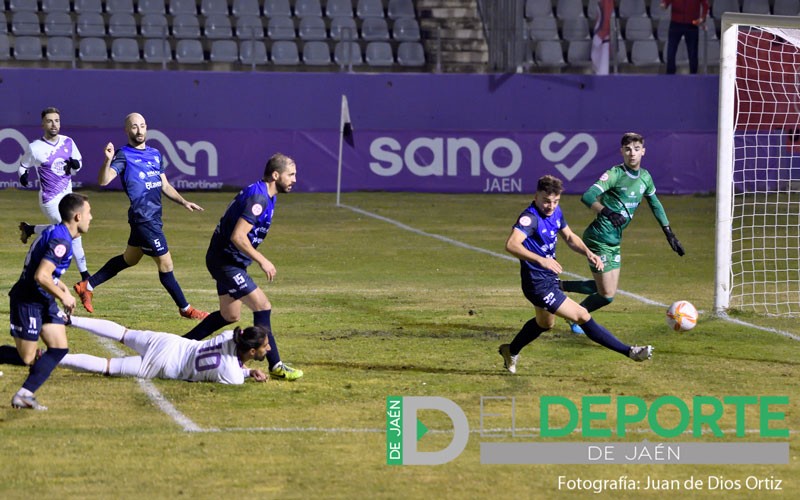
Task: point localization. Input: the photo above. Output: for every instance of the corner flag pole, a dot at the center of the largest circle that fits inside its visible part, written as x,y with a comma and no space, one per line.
345,129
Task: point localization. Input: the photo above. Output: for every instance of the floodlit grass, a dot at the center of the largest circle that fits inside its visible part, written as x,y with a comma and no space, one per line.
368,310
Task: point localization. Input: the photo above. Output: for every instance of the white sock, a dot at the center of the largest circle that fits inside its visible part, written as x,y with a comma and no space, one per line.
79,255
84,363
100,327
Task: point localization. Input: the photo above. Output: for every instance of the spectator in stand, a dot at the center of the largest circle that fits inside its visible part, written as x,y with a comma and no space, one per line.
687,17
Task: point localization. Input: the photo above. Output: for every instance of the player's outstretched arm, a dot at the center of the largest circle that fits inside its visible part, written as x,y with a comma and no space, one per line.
106,173
673,241
173,194
578,246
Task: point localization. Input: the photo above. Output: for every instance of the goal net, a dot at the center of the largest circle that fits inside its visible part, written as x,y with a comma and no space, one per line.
758,166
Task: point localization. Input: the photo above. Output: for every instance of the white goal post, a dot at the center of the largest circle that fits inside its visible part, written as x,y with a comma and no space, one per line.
758,166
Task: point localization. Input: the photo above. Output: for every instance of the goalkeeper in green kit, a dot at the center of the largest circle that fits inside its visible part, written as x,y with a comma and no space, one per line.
615,197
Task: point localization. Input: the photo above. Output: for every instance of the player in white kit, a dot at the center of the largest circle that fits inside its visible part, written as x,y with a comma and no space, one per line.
55,158
164,355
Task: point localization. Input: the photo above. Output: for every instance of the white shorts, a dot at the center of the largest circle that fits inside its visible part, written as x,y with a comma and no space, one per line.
50,209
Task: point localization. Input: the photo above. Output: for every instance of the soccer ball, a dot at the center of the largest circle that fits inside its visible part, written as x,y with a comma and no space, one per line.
682,316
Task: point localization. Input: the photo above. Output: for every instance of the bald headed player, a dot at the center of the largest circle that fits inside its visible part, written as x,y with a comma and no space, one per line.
141,171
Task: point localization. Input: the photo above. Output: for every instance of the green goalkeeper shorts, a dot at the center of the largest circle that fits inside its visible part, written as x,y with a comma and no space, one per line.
609,254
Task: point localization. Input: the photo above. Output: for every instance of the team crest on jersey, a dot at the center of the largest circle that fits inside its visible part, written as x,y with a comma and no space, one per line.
60,250
257,209
604,177
141,175
525,221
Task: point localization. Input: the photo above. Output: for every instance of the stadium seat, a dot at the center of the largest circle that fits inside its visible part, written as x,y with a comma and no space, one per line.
400,8
575,28
246,8
543,28
60,48
122,26
303,8
55,5
632,8
88,6
5,47
277,8
343,28
91,24
157,51
579,53
657,12
280,28
224,51
662,29
284,53
682,55
339,8
569,9
718,7
406,30
549,54
253,52
316,53
151,7
538,8
348,53
786,7
379,54
27,48
645,53
249,28
217,26
410,54
312,28
154,26
92,50
369,8
185,26
208,7
756,7
119,6
58,24
593,10
638,28
182,7
23,6
25,24
712,52
710,29
189,52
125,50
374,29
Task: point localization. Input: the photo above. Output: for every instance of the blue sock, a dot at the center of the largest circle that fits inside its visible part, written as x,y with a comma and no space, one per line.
171,284
10,356
262,318
528,334
108,271
603,337
209,325
42,368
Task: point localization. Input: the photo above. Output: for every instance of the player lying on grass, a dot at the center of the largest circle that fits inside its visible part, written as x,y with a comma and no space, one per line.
533,241
164,355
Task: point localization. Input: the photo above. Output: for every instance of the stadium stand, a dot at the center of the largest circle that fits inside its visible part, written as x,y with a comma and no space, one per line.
58,24
27,48
379,54
549,54
182,7
154,26
632,8
273,8
755,7
374,29
224,51
316,53
249,27
347,53
400,8
543,28
23,6
280,28
60,49
122,25
25,23
406,30
55,6
369,8
410,54
119,6
185,26
151,7
93,50
125,50
189,52
253,52
208,7
343,28
303,8
338,8
786,8
5,47
88,6
569,9
645,53
718,7
575,28
157,51
284,52
312,28
217,26
246,8
91,24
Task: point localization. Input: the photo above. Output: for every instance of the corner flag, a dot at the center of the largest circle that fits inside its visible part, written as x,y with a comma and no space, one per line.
345,134
601,42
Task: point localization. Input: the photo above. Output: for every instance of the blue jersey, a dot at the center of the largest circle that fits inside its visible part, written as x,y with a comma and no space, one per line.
55,245
140,171
542,236
252,204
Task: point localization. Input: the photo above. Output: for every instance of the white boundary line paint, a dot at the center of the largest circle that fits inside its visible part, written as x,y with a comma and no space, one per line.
634,296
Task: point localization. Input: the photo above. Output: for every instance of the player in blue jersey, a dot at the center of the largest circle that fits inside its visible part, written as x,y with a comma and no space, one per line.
55,158
240,231
141,170
533,241
32,299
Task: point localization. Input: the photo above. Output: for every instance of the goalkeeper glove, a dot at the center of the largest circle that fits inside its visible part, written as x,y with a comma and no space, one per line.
673,241
616,218
71,165
23,179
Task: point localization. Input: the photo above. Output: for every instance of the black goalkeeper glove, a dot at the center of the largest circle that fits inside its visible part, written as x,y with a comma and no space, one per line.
23,179
673,241
616,218
71,165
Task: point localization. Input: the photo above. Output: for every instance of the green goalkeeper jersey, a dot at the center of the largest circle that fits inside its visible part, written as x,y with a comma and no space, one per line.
621,189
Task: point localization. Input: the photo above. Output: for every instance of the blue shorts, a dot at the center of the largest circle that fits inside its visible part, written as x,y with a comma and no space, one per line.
27,318
543,292
149,237
232,280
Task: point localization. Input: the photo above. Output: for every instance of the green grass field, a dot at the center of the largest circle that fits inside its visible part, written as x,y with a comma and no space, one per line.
369,309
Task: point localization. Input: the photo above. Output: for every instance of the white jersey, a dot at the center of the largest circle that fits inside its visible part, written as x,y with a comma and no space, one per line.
172,357
48,160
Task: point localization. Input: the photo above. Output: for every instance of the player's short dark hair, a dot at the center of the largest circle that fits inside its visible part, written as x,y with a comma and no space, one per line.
549,185
251,337
629,137
276,163
71,204
51,109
